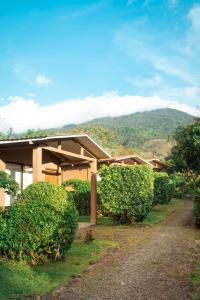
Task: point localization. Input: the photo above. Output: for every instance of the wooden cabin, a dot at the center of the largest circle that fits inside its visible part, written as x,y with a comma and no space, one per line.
53,159
157,164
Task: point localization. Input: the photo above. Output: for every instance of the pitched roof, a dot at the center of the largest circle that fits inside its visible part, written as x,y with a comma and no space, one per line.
157,161
121,158
83,139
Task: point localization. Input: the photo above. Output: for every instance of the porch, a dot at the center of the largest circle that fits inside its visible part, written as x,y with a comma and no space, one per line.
52,159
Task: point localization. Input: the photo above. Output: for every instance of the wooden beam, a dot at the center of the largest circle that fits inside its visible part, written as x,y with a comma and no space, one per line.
59,145
2,193
67,153
37,164
93,197
82,151
85,149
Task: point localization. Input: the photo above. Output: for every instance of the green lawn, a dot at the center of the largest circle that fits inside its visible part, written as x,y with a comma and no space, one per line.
18,279
100,220
157,214
160,212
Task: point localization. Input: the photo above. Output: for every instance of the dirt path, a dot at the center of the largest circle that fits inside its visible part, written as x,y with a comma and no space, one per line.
158,267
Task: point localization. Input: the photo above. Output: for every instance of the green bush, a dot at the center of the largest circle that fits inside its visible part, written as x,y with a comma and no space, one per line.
40,225
80,194
196,209
163,188
126,192
181,184
8,183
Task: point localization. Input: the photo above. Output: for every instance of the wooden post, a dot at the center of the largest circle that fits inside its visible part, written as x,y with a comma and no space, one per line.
82,151
37,164
59,167
93,197
2,194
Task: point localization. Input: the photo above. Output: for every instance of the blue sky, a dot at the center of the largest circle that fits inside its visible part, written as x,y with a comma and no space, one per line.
55,53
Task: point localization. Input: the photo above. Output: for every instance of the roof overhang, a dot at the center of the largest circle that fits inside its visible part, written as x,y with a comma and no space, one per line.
83,139
119,159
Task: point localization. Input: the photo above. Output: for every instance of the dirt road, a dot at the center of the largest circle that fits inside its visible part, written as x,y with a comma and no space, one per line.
157,267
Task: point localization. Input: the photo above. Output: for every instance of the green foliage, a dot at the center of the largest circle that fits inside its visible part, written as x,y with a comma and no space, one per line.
196,210
40,225
135,129
186,152
33,133
181,184
126,192
80,194
20,280
8,183
162,188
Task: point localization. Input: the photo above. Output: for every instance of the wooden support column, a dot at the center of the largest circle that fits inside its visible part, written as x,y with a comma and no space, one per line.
37,164
2,194
93,197
59,167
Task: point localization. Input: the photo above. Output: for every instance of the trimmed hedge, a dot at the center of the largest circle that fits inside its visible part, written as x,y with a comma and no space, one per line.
163,188
80,195
39,226
126,192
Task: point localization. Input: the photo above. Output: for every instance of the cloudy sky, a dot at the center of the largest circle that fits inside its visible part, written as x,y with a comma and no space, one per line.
70,61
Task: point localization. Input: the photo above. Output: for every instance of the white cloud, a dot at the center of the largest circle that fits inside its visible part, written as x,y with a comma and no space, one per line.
154,81
42,80
23,114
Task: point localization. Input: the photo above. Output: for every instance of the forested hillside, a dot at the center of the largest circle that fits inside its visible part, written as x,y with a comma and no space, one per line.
145,133
136,129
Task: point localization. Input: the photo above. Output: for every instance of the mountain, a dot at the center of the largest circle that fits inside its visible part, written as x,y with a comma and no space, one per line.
147,133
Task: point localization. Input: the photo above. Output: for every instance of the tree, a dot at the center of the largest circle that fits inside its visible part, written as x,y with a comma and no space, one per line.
35,133
185,154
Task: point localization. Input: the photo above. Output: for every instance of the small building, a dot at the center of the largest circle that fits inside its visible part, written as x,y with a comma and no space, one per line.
53,159
157,164
125,160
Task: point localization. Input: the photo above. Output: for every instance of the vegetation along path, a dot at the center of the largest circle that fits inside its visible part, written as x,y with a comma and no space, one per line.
158,266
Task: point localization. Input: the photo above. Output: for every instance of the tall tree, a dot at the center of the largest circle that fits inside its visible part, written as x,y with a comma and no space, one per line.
185,155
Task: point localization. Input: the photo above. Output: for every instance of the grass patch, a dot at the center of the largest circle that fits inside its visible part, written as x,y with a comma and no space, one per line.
19,279
196,282
160,212
100,220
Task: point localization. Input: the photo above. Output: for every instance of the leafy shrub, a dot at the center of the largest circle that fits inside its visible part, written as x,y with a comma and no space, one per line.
163,188
8,183
126,192
196,209
40,225
80,194
181,184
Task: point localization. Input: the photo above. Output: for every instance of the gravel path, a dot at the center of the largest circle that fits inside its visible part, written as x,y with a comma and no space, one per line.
159,266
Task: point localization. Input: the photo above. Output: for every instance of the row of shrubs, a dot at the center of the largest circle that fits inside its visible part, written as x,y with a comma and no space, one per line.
128,193
41,224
